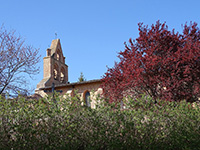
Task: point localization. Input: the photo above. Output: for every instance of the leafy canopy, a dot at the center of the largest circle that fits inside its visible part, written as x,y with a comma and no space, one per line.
161,63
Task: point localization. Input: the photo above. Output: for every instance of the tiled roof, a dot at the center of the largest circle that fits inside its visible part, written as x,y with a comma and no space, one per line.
72,84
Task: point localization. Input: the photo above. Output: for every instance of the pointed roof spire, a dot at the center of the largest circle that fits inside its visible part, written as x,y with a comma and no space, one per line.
55,44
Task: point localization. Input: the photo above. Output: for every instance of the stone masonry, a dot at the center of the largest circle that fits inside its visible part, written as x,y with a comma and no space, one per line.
55,71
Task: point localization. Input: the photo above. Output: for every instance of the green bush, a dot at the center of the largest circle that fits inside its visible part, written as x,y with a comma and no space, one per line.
43,124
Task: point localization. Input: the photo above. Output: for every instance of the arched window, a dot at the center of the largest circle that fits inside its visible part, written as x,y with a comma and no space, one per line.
58,57
62,75
87,99
56,72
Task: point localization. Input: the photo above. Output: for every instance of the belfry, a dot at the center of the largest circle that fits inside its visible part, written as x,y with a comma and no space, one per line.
55,72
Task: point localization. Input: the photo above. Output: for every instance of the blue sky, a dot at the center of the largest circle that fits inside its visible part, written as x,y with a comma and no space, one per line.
91,31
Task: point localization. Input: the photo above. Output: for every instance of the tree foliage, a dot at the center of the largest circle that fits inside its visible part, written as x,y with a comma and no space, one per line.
81,78
17,59
162,63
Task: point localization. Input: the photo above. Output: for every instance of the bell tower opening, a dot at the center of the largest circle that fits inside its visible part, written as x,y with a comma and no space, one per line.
56,72
62,75
55,69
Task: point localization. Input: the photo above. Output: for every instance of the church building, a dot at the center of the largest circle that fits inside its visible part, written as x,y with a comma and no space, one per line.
55,78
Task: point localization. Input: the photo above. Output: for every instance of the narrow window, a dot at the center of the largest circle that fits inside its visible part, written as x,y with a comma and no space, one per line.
62,75
87,99
56,72
58,56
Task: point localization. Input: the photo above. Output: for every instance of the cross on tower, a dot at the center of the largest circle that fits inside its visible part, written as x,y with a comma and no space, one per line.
56,35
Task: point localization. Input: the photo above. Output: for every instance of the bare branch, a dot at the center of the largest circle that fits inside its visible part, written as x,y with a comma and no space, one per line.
16,59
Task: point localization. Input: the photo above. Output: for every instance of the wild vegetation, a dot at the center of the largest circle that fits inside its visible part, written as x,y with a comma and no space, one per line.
43,124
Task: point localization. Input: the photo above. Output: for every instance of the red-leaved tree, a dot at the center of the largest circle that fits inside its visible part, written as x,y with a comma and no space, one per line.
161,63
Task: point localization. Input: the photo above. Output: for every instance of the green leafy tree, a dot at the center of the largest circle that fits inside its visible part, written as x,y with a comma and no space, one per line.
81,78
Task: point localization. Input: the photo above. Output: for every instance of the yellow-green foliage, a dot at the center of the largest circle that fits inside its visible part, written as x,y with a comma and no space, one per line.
44,124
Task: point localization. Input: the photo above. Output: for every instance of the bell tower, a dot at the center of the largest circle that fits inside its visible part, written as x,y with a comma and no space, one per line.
54,68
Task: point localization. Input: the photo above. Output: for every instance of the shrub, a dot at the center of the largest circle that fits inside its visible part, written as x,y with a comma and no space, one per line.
43,124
